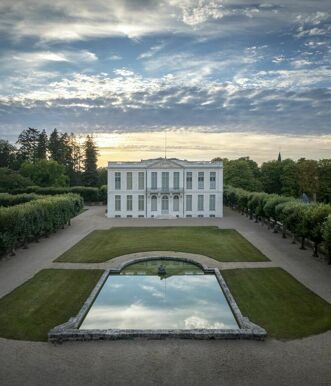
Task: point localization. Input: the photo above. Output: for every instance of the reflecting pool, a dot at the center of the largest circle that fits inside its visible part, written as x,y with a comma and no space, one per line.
150,301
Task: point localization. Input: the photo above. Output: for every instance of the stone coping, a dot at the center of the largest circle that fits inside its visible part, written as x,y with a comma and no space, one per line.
70,331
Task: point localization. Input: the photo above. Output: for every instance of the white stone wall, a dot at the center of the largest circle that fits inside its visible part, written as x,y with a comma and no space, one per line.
148,192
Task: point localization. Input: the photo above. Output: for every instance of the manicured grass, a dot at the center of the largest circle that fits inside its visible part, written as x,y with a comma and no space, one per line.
276,301
50,298
220,244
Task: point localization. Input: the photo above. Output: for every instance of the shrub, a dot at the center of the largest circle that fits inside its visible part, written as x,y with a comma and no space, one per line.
10,180
89,194
23,223
7,199
326,229
103,192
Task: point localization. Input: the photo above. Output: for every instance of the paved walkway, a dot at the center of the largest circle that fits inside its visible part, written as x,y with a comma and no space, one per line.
167,362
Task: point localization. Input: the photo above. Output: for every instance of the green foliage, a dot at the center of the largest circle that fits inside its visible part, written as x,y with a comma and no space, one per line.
90,175
7,154
89,194
242,173
23,223
326,229
324,178
289,178
28,145
10,180
270,176
41,151
301,219
7,199
314,217
45,173
308,177
103,192
102,176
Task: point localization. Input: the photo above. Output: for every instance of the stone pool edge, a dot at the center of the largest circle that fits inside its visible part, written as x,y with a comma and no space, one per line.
69,331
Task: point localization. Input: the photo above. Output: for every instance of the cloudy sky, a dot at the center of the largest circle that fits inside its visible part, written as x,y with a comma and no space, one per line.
222,77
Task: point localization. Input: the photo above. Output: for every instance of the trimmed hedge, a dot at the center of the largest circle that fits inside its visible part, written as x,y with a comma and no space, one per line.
103,193
304,221
7,199
26,222
89,194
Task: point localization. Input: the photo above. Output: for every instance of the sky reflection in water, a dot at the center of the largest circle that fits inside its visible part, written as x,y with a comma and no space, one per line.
147,302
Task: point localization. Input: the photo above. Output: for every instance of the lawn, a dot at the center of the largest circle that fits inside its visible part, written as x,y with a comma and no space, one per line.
219,244
50,298
276,301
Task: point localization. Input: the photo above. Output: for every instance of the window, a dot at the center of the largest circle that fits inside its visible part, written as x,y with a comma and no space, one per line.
200,202
212,202
117,216
129,180
117,180
165,180
154,180
189,180
201,179
189,203
154,204
141,202
188,215
176,203
129,203
212,180
141,215
141,181
165,203
176,180
117,203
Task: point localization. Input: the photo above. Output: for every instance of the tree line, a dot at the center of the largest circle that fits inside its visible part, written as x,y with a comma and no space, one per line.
304,221
55,160
306,177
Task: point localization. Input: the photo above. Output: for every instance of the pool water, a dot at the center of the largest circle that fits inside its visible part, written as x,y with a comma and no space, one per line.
149,301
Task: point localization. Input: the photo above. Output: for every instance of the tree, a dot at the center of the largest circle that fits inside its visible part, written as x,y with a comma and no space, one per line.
41,151
102,176
90,176
314,217
289,178
270,176
326,229
45,173
324,178
28,143
7,154
241,173
308,177
10,180
55,146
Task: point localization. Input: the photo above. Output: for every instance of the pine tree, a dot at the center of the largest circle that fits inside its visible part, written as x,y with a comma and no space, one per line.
28,141
54,146
41,151
7,154
90,175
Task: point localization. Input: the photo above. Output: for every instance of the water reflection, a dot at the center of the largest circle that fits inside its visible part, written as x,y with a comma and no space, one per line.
146,302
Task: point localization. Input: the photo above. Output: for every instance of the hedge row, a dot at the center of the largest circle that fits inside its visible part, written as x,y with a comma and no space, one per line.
305,221
89,194
26,222
7,199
